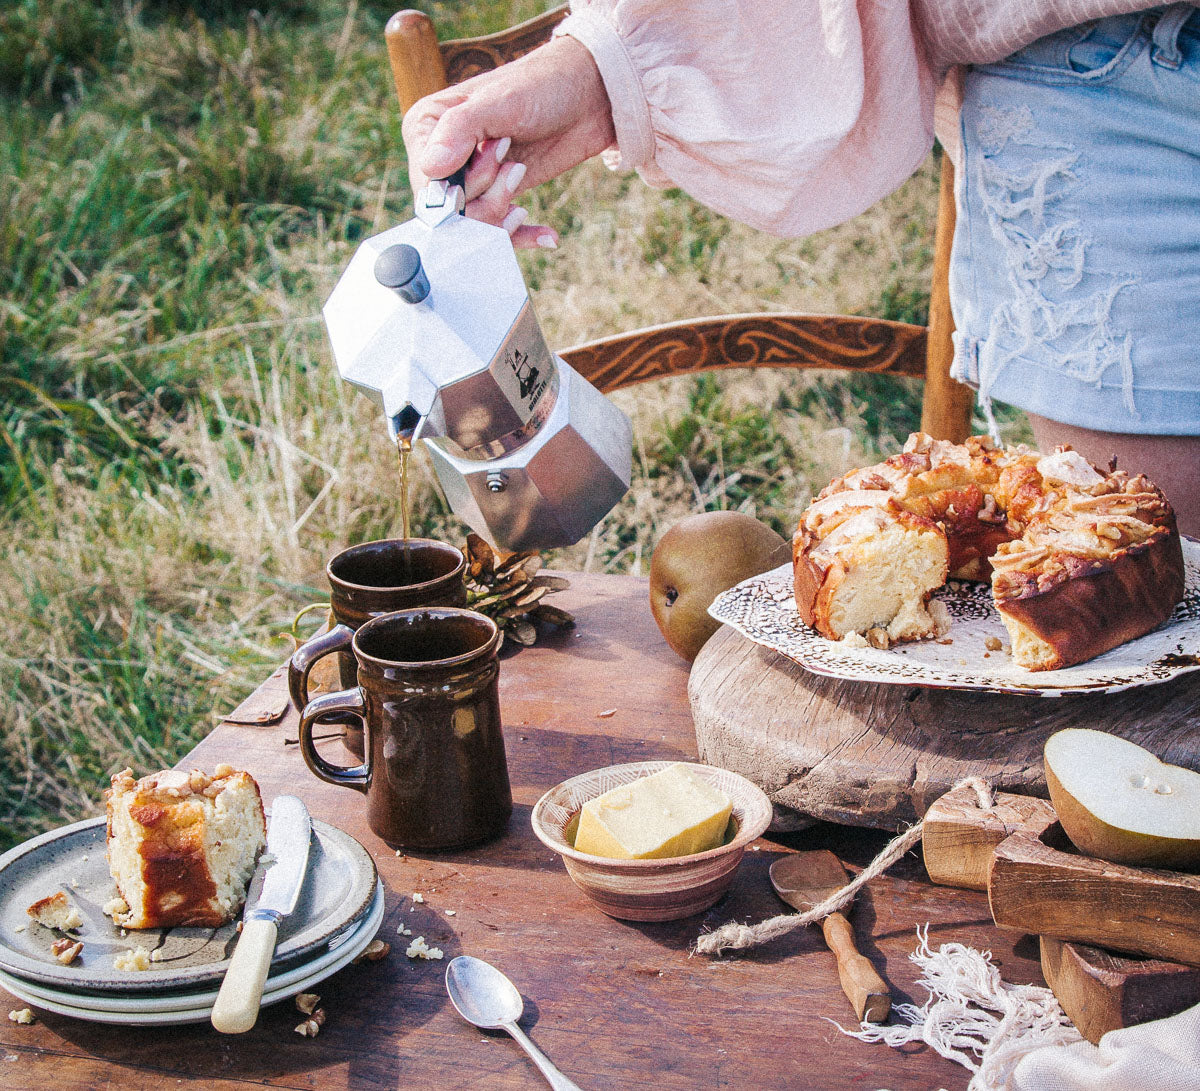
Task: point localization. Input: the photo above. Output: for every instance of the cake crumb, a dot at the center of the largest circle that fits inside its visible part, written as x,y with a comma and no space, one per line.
135,959
56,911
420,949
993,644
116,907
419,899
24,1016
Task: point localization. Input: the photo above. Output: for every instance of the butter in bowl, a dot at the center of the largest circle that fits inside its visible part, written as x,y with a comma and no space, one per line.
644,822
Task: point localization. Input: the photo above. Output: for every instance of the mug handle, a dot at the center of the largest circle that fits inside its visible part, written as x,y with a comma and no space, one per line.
353,701
305,657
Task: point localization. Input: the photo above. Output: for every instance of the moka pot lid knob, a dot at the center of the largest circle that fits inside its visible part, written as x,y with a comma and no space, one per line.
399,268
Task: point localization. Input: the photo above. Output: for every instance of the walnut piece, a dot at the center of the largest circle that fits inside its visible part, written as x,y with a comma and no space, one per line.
66,950
311,1026
307,1002
375,950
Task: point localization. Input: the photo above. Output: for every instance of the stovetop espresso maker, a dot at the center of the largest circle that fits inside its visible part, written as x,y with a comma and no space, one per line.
432,318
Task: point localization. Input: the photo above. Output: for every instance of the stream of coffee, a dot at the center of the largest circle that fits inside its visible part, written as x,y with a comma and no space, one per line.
404,450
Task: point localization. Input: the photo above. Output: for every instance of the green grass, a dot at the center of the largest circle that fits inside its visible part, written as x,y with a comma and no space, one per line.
180,186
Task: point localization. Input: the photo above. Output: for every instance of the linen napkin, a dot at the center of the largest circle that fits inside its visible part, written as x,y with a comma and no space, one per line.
1163,1055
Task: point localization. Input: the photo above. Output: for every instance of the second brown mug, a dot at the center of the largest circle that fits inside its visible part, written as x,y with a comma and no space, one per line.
435,773
368,580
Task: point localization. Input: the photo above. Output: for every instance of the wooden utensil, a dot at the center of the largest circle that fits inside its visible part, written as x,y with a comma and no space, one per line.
1101,991
805,879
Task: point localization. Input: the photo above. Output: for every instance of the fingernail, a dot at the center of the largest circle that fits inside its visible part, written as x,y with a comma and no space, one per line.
547,242
502,148
516,216
513,178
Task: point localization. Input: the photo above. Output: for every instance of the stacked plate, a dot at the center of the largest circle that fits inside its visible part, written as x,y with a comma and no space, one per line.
341,906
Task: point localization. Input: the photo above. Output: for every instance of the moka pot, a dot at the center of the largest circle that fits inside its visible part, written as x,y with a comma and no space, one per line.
433,320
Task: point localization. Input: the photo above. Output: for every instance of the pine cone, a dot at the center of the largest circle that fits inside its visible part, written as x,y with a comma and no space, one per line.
509,590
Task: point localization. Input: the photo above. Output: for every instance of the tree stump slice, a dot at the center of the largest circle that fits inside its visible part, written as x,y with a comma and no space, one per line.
862,754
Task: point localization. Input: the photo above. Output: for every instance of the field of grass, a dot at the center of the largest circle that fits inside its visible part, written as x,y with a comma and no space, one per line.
180,187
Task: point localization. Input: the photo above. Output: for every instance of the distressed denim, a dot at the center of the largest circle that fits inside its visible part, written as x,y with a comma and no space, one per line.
1075,275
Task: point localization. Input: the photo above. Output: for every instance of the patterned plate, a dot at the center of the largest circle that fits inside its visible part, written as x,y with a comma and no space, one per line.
764,610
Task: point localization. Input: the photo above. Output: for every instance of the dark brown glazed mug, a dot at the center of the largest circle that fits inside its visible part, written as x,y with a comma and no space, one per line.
435,773
366,581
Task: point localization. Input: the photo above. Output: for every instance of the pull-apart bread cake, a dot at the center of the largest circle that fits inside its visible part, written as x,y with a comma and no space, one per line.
1080,561
182,847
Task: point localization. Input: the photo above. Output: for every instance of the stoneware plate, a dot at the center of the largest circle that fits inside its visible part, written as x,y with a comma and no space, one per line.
339,887
151,1012
650,890
357,936
764,610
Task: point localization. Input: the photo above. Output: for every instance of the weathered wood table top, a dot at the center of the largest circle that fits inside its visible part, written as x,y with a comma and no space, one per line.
614,1004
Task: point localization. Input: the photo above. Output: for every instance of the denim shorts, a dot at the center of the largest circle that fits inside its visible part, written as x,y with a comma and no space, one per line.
1075,275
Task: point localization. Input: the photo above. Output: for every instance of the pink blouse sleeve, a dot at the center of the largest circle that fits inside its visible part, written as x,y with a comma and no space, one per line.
789,115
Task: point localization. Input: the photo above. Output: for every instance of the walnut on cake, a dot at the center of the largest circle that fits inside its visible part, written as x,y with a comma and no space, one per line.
1080,561
182,847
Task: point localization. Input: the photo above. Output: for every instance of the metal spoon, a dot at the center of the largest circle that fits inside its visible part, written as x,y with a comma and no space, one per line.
485,997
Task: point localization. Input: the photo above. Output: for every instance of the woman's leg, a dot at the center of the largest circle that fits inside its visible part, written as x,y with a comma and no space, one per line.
1171,462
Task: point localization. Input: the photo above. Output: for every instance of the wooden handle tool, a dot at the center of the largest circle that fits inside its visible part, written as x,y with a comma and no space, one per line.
805,879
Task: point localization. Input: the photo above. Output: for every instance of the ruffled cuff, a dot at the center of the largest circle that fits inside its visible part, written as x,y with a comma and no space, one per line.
631,113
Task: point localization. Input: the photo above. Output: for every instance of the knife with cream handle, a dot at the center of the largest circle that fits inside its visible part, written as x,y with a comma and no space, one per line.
273,895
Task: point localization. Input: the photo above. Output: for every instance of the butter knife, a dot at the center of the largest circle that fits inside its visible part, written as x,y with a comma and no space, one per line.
273,895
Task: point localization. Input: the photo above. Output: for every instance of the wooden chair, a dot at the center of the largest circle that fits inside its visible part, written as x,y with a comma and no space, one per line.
421,65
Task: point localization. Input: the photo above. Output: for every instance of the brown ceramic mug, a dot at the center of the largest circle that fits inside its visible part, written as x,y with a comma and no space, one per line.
368,580
435,773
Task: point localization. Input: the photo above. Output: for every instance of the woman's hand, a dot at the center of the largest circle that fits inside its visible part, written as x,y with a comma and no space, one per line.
515,127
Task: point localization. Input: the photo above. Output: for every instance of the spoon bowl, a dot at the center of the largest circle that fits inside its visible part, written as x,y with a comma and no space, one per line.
482,994
484,997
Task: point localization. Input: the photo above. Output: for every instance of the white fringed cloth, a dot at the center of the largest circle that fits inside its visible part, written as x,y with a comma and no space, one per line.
972,1016
1017,1038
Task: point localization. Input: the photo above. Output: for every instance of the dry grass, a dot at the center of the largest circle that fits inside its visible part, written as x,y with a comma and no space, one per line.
179,457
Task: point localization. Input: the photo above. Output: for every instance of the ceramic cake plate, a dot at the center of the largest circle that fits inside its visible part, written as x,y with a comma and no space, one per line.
763,609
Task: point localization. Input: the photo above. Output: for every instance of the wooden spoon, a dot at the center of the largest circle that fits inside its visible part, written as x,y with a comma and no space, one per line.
805,879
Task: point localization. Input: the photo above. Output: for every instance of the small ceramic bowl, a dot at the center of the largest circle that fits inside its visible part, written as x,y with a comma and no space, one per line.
650,890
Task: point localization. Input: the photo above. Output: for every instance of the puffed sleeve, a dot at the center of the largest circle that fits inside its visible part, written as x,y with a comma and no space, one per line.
789,115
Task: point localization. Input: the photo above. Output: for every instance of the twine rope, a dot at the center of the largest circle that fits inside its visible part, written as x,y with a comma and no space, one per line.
740,937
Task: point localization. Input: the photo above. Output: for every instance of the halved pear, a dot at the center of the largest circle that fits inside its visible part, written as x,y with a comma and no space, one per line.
1117,801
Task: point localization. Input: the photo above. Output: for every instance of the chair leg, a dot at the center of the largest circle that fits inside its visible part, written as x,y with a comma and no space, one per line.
946,412
417,66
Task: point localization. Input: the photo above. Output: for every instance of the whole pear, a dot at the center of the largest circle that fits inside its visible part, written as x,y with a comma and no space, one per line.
697,559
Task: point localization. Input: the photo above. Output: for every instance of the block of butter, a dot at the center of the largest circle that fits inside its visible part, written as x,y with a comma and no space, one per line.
673,812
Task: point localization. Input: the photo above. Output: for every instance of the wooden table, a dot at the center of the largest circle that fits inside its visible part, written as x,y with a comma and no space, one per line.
616,1005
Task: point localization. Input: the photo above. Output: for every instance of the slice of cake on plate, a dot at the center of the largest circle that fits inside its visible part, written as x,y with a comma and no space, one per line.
182,847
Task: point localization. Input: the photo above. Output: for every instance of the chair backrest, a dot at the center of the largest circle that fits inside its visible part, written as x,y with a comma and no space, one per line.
421,65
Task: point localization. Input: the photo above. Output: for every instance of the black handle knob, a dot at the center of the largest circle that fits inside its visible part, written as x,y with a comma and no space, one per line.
399,268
